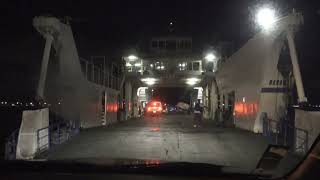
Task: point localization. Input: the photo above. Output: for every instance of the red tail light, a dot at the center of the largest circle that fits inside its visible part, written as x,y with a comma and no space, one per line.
159,108
149,109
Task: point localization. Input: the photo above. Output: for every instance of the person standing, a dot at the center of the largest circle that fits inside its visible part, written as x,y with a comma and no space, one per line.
197,114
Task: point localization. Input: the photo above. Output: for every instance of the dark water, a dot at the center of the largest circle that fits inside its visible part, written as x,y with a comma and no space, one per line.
10,121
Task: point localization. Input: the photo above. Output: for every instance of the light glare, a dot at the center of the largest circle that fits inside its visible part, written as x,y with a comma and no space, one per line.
128,65
266,17
149,81
210,57
132,57
192,81
137,64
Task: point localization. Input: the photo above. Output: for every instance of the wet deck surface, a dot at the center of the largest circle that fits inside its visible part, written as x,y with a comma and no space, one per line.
167,138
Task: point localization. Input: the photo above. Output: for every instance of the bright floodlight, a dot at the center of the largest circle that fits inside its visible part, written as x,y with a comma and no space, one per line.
192,81
128,64
149,81
210,57
137,64
132,57
266,17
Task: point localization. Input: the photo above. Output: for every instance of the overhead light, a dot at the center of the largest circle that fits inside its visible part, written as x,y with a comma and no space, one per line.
132,57
266,17
128,64
137,64
210,57
149,81
192,81
198,88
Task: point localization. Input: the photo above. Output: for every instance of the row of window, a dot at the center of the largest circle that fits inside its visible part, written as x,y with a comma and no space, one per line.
182,66
95,73
190,66
171,44
278,82
158,66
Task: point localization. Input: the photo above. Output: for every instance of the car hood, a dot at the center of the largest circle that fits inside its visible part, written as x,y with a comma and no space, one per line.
103,165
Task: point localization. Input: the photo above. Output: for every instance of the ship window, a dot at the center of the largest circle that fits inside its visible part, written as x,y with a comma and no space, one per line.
180,44
171,45
190,66
196,66
154,44
187,44
161,44
284,82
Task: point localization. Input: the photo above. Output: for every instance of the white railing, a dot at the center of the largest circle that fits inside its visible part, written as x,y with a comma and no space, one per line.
107,75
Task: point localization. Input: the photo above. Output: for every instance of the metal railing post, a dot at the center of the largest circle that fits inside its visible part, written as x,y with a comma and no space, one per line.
295,139
58,129
306,142
285,133
38,141
104,72
86,70
49,138
92,72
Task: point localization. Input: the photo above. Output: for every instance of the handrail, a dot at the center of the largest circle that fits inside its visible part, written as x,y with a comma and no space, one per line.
99,75
277,132
57,133
11,145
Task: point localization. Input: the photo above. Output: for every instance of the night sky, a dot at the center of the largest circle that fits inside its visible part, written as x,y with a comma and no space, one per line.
109,27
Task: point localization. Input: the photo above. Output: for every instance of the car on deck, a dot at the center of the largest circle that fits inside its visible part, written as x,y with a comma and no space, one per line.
154,108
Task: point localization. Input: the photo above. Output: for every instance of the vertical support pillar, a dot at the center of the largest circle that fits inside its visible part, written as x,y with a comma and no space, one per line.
86,70
108,79
221,100
141,67
213,99
44,65
226,101
99,77
104,72
295,66
135,102
105,107
111,76
205,100
128,98
221,110
92,72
